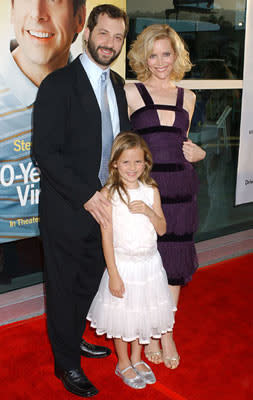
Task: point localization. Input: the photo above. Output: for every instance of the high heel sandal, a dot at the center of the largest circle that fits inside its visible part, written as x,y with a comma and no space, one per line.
156,357
171,362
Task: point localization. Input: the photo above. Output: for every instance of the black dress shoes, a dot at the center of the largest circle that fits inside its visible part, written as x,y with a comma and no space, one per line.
93,351
75,381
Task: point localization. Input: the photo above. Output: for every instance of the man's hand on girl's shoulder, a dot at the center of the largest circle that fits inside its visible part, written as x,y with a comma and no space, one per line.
97,206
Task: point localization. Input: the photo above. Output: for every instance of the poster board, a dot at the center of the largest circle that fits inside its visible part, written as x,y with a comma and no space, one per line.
19,176
244,185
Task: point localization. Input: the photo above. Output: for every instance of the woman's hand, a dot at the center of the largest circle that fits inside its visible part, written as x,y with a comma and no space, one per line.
193,152
116,286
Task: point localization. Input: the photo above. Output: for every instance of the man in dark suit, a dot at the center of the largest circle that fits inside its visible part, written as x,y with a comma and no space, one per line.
68,145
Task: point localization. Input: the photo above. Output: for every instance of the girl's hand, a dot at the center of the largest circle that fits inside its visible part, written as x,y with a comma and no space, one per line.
139,207
193,152
116,286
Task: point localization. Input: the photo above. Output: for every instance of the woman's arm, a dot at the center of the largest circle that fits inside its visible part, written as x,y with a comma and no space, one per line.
155,214
192,151
116,285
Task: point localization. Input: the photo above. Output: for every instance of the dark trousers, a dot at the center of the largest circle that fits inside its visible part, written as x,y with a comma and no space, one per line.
73,270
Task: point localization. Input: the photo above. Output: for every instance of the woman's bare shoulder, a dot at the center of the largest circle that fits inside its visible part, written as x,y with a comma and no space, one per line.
130,88
189,101
134,100
190,96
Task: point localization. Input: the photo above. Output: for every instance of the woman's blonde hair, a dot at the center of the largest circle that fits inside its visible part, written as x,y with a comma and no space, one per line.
142,48
126,141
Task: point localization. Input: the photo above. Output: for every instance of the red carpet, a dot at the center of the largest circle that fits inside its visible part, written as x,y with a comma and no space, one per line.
213,333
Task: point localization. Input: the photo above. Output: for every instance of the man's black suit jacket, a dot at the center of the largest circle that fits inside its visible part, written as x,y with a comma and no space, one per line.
67,147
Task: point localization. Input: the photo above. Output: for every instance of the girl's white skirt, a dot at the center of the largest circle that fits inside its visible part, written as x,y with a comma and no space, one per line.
147,308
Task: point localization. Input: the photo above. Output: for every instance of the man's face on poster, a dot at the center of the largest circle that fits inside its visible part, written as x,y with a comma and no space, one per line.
45,29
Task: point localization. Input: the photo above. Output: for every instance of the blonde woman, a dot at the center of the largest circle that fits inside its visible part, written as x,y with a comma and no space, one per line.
161,113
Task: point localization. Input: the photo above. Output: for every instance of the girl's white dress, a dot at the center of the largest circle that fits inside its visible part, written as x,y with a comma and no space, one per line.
146,310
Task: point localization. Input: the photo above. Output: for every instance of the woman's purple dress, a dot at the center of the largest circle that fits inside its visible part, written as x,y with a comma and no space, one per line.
177,181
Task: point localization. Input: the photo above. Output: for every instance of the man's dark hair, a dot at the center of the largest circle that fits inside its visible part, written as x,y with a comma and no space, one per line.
77,4
111,11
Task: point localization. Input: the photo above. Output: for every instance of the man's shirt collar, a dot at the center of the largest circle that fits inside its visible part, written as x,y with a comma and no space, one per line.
21,86
93,71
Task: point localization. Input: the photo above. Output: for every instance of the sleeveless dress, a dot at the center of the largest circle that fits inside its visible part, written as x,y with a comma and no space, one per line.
147,308
177,181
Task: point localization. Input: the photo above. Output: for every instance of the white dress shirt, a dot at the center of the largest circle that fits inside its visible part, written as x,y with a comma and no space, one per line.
94,73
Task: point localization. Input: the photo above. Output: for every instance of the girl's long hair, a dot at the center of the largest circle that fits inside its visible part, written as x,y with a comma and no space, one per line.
126,141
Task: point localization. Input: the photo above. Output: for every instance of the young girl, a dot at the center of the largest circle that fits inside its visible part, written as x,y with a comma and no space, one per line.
133,302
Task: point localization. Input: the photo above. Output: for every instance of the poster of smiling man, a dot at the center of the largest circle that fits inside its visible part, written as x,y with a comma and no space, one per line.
36,36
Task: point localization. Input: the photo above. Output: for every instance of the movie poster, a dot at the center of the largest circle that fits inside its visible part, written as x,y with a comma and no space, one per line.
244,186
19,176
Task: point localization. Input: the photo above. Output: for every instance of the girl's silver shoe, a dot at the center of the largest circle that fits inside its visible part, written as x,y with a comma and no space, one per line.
136,383
147,376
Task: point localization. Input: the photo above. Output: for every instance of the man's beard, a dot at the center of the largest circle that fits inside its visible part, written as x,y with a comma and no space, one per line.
95,55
